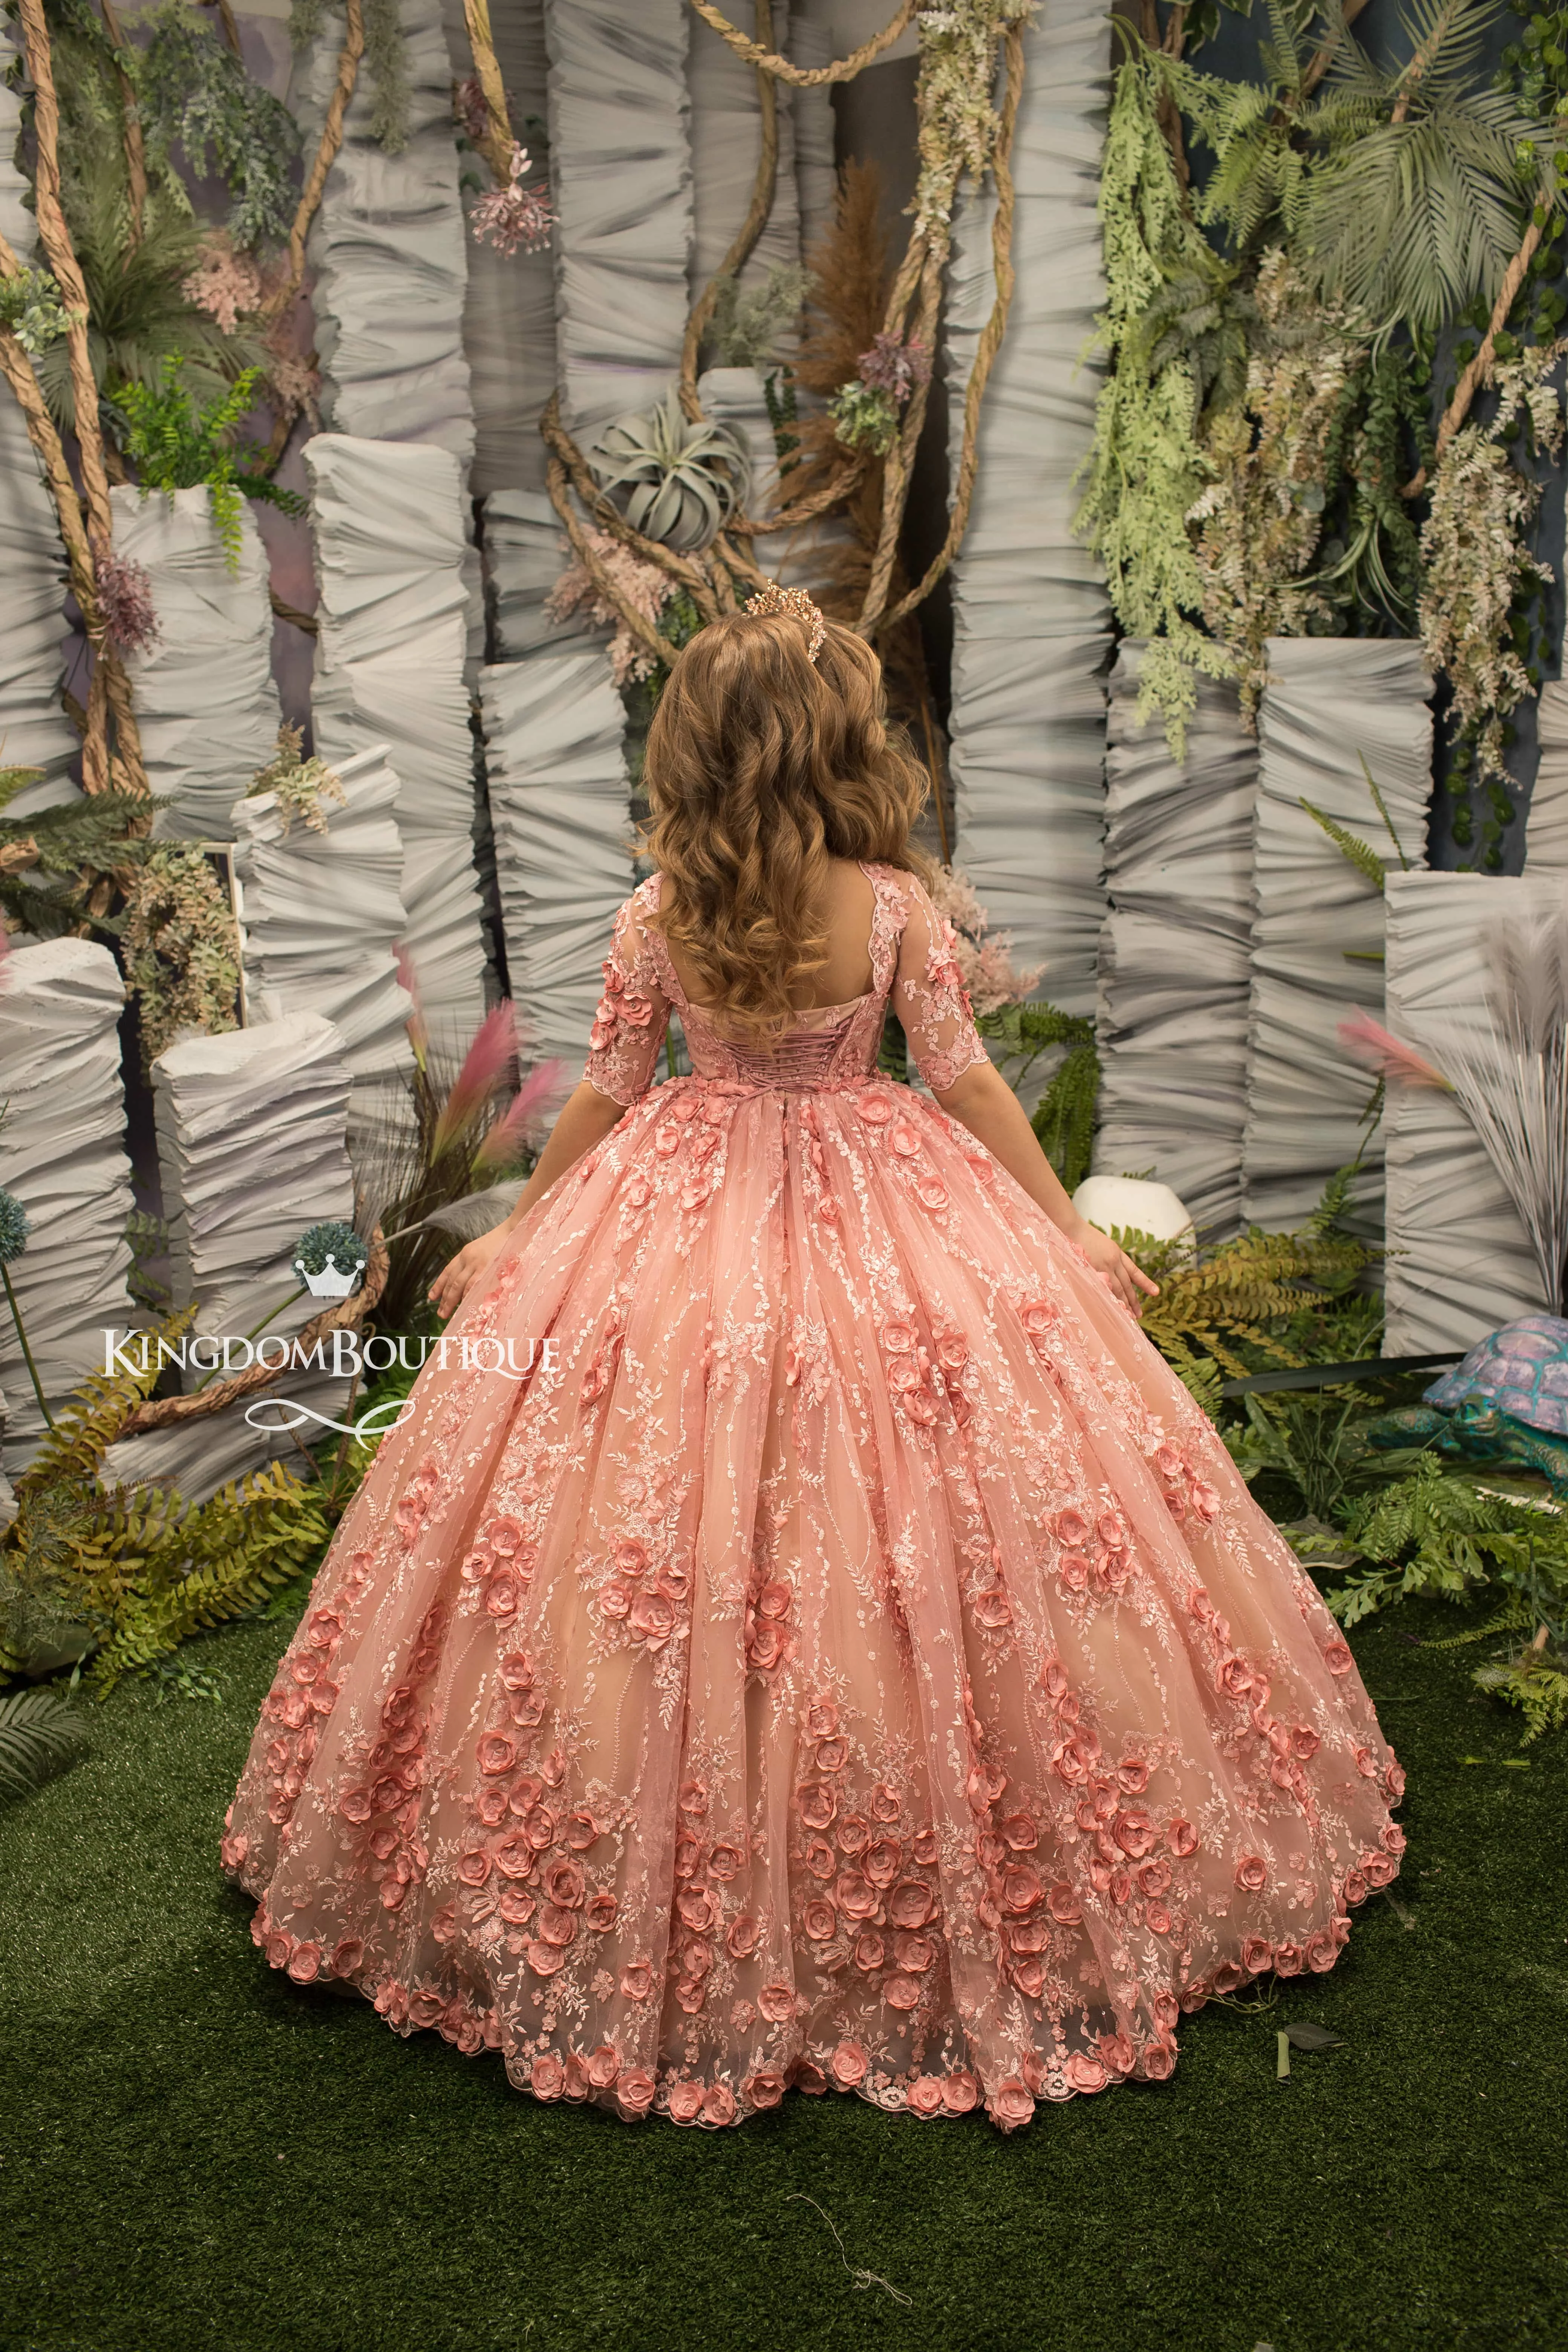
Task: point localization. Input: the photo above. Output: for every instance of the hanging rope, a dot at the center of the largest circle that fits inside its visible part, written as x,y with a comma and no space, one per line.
750,228
768,61
1479,370
498,141
326,156
110,690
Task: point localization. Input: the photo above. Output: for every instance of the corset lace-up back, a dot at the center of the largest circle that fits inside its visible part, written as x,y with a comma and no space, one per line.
914,967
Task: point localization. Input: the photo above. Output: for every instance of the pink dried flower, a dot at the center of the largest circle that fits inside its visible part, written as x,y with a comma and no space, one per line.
645,588
125,605
223,284
418,1029
504,1141
1401,1063
514,215
894,367
484,1070
469,112
986,966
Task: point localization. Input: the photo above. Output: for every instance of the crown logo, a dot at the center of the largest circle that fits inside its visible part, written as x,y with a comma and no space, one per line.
332,1281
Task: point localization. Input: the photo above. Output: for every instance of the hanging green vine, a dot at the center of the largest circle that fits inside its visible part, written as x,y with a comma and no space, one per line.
387,57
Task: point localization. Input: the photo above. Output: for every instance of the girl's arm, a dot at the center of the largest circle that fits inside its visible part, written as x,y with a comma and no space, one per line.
980,1099
586,1120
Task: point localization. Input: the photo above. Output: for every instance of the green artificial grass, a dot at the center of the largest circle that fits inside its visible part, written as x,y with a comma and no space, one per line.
196,2154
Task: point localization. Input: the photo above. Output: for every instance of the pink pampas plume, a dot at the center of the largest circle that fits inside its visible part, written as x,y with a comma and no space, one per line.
418,1033
485,1068
504,1144
1400,1064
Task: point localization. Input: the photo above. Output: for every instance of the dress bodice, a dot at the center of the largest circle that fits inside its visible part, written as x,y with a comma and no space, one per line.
915,966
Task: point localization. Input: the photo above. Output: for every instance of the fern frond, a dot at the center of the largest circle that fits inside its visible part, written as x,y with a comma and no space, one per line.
90,1421
1362,854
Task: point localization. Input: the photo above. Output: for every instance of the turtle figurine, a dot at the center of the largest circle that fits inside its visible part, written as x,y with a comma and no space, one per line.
1508,1401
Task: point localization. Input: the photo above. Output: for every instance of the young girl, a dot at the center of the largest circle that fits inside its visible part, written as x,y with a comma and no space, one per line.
845,1654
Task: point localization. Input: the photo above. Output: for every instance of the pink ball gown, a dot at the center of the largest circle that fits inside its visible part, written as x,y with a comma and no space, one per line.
847,1656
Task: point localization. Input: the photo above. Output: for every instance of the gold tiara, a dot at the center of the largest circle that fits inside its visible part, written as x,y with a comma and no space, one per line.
794,600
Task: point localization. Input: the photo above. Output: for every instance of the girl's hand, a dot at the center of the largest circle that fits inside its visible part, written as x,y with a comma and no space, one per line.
459,1275
1115,1268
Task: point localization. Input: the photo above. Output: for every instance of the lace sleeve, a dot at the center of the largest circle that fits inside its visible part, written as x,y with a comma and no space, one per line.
632,1014
930,997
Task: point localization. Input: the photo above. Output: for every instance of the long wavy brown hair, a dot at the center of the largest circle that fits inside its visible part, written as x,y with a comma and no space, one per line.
762,766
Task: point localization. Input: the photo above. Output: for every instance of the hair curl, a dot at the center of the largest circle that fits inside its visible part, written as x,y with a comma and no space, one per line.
761,768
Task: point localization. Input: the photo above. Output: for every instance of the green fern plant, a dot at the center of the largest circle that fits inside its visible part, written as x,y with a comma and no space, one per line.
179,443
41,1734
123,1577
139,316
1064,1119
49,859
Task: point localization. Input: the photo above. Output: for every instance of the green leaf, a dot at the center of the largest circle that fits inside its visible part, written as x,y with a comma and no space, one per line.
40,1734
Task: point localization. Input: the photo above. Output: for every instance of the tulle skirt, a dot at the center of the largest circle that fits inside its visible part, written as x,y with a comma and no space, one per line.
805,1634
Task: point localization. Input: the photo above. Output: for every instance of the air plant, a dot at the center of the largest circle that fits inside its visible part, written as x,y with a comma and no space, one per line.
676,482
1507,1070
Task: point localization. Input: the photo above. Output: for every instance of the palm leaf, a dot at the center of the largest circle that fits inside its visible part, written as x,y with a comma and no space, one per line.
40,1734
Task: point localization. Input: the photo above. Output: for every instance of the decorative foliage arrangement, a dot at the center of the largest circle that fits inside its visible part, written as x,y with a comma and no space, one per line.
465,1128
180,444
301,785
964,135
1263,462
180,947
120,1579
49,860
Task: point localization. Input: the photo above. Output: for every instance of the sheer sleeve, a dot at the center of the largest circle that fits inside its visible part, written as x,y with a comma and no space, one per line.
632,1015
929,998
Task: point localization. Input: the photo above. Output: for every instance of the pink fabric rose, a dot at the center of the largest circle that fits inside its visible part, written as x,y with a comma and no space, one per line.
497,1752
305,1963
1337,1657
1086,2073
1135,1834
848,2065
741,1937
924,2097
960,2091
1010,2104
1321,1951
1065,1906
637,1980
1256,1952
1181,1837
903,1992
651,1619
685,2102
634,2092
764,2089
348,1956
817,1803
777,2002
547,2078
1252,1873
820,1922
1159,2060
718,2108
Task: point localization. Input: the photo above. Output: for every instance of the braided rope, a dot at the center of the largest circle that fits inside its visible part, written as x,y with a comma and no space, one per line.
768,61
331,139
